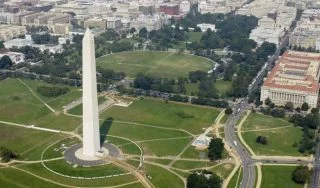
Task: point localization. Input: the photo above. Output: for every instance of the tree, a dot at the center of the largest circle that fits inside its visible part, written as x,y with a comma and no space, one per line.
278,112
132,30
305,106
229,110
5,62
289,106
6,154
215,149
262,140
315,110
300,175
267,101
143,32
203,179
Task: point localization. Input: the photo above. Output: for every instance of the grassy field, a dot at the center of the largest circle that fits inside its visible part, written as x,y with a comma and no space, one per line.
260,121
162,64
223,170
61,166
278,176
159,113
56,102
191,152
165,147
162,178
288,135
39,170
186,165
28,143
16,179
18,104
223,87
236,179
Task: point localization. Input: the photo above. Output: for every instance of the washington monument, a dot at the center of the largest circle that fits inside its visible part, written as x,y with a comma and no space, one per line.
91,135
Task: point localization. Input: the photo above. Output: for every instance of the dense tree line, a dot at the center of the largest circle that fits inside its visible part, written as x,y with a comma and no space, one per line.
309,124
210,102
45,38
53,91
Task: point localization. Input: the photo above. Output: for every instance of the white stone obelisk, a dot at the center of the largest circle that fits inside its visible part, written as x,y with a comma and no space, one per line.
91,135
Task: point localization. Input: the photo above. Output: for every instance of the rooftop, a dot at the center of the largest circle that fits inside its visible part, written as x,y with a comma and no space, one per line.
297,71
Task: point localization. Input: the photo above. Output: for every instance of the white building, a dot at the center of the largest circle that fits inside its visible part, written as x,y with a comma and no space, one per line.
204,27
294,78
184,7
15,57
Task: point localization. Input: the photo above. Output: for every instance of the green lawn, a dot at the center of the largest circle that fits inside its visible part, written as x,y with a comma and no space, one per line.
138,132
223,170
162,64
162,178
61,166
16,179
288,136
186,165
223,86
236,179
278,176
38,169
191,152
56,102
165,147
260,121
159,113
224,119
18,104
58,121
195,36
192,88
29,143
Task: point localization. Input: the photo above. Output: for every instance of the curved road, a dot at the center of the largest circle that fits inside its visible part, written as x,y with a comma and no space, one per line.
249,169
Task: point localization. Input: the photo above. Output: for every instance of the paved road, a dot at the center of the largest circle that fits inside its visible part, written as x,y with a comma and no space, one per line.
316,171
232,141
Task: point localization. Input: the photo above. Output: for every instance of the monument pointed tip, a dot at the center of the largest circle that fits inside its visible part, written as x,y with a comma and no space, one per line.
88,32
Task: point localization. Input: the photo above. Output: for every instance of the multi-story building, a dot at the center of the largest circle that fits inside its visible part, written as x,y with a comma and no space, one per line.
114,23
8,32
307,31
62,29
95,22
294,78
169,9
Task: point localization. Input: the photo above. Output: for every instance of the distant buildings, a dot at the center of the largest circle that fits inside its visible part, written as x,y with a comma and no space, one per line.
307,33
8,32
295,78
170,9
273,25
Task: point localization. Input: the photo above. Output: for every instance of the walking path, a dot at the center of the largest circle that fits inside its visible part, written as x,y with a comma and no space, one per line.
33,93
267,129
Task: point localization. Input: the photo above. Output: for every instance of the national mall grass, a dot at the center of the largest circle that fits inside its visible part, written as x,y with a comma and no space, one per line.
274,129
162,114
